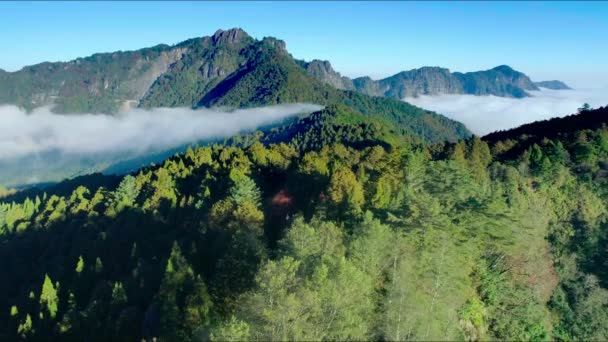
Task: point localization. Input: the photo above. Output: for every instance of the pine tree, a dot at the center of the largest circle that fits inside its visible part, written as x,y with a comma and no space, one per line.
80,265
48,296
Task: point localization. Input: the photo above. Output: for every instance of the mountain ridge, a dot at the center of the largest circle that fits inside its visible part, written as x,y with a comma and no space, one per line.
501,81
184,74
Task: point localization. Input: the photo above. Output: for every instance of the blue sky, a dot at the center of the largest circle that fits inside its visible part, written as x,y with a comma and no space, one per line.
546,40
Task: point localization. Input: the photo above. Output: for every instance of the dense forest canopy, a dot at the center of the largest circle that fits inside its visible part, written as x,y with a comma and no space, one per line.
336,227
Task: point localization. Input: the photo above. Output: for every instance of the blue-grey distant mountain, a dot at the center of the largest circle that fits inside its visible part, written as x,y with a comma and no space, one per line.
555,85
499,81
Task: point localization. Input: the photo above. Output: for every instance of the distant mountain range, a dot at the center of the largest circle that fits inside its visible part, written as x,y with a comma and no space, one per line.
229,68
499,81
555,85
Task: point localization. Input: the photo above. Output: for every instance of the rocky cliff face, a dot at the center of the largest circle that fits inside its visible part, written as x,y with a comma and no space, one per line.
426,80
322,70
99,83
109,82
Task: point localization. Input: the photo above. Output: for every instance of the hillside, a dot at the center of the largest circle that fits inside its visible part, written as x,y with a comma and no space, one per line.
586,118
332,224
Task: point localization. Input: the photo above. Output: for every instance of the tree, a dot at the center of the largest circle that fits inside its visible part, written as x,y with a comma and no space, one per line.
80,265
345,189
245,191
48,296
234,330
119,295
25,328
185,305
312,292
98,265
127,191
584,108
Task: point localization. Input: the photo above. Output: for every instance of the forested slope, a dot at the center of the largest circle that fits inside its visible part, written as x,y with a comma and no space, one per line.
340,231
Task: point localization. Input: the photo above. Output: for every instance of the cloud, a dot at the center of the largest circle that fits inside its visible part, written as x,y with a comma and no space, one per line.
485,114
131,133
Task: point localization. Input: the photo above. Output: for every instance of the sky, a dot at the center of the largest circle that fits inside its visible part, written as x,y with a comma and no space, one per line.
546,40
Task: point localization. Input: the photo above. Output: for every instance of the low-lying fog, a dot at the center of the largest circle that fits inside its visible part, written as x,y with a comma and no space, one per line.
485,114
135,131
43,146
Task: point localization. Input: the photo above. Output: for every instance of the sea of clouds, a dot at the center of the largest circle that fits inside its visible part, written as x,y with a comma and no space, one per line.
485,114
133,132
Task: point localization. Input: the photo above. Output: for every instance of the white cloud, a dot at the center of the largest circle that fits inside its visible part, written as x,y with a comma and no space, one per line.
133,132
485,114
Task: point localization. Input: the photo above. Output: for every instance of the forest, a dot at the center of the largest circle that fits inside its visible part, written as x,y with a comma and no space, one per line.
336,227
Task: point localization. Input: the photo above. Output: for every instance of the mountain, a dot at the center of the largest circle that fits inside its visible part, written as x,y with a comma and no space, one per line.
555,85
499,81
229,69
159,76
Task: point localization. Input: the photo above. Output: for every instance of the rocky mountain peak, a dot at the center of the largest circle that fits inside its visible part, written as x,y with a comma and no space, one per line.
276,43
232,36
321,67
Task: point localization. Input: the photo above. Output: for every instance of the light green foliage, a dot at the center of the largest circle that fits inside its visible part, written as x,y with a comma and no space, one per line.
345,189
48,296
428,285
245,191
314,292
80,265
162,191
126,193
14,311
25,328
472,320
233,331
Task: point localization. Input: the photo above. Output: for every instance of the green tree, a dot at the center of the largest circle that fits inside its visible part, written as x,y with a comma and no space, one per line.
25,328
345,189
48,296
185,305
80,265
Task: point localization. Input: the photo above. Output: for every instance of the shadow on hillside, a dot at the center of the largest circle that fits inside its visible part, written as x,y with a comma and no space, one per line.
131,248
